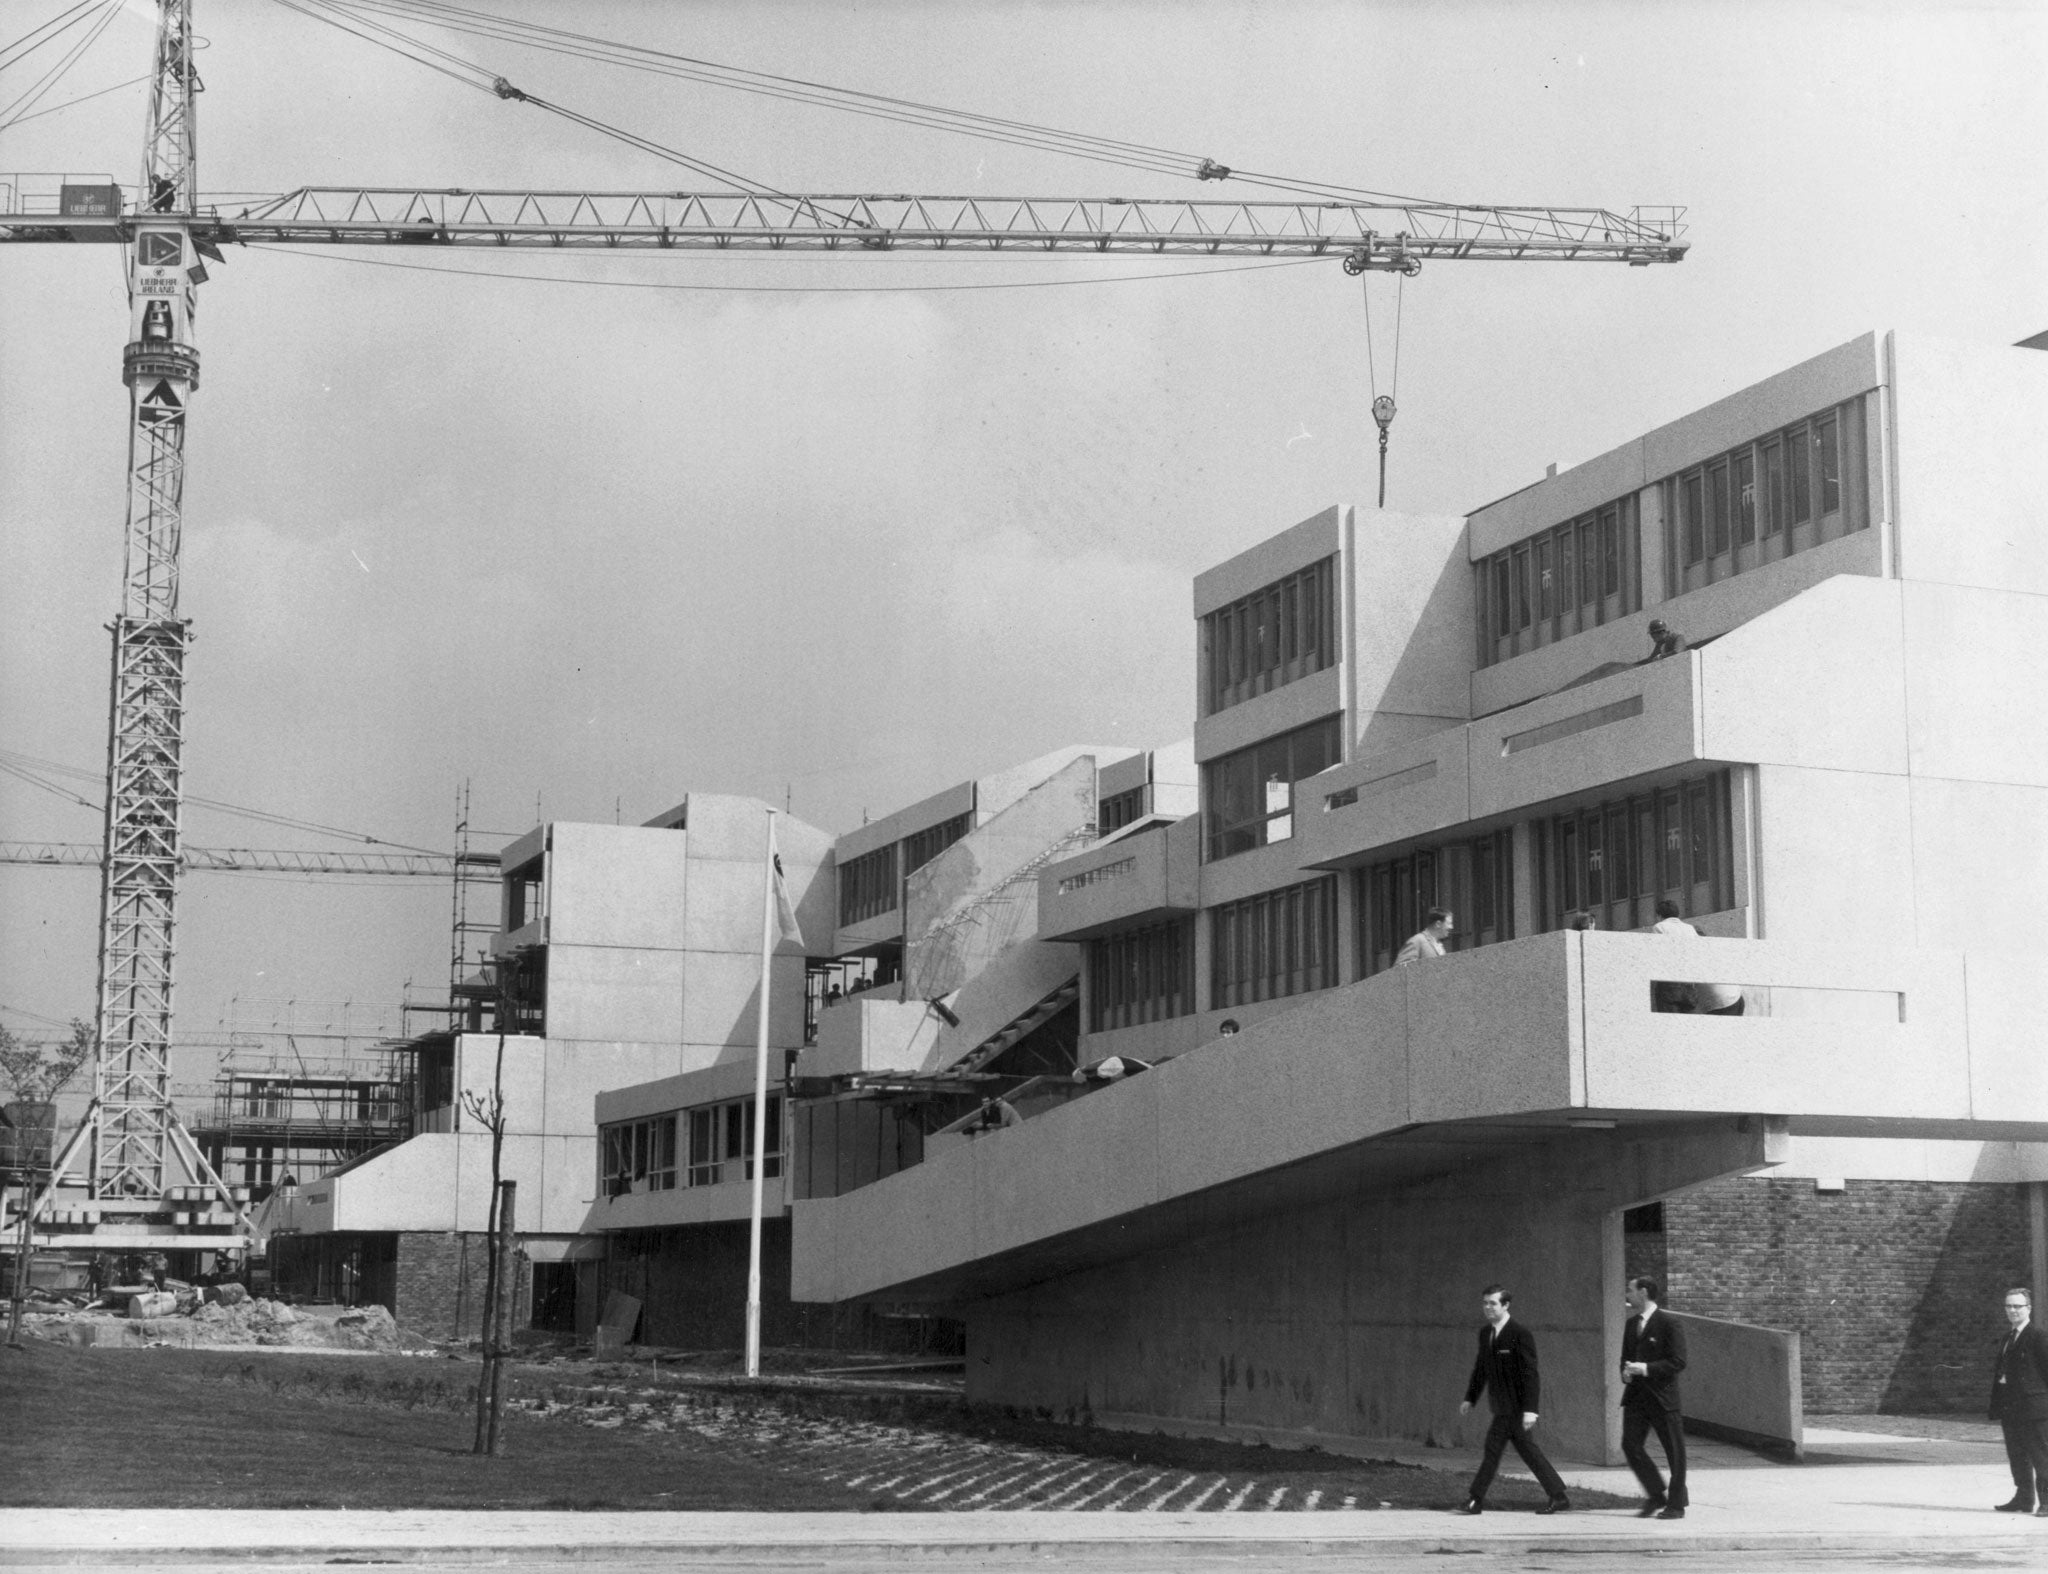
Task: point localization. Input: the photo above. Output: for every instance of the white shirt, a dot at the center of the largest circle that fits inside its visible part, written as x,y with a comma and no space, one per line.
1705,997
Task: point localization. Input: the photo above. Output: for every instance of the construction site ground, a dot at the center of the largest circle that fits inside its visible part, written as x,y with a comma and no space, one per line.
277,1427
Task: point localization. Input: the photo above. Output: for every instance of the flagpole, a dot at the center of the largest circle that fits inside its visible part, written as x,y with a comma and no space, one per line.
760,1105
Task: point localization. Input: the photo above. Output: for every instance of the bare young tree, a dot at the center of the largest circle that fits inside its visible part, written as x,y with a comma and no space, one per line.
487,1109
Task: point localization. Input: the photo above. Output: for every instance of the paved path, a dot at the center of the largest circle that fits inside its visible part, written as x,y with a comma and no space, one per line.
1859,1494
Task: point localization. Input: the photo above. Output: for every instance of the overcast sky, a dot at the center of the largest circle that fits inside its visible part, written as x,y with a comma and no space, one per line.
831,530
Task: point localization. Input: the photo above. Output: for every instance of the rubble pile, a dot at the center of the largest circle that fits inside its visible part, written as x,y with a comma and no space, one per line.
229,1317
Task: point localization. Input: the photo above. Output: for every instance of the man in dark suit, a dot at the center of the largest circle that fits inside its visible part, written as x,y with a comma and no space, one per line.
1506,1370
1652,1356
2019,1404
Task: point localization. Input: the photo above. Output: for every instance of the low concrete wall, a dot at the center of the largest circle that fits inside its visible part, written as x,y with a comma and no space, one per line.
1741,1382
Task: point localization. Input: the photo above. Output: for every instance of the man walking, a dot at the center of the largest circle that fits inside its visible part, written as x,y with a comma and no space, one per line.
2019,1404
1652,1356
1506,1370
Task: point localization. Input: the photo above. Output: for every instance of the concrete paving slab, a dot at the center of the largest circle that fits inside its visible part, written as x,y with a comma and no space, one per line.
1876,1492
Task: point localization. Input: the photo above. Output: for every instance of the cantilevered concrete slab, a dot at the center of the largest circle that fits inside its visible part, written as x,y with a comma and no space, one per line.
1287,1230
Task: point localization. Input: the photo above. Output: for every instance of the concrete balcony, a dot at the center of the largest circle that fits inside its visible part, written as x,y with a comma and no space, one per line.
1123,883
1383,1082
868,1032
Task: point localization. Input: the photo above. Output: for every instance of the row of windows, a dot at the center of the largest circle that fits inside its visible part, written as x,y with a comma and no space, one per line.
1474,880
1119,809
1583,573
1780,494
921,847
1615,860
722,1141
1611,860
867,885
1249,795
871,884
1142,975
640,1155
1770,497
1275,944
1273,636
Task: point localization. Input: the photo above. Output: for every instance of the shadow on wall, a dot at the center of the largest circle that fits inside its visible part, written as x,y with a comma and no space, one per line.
1945,1362
1893,1286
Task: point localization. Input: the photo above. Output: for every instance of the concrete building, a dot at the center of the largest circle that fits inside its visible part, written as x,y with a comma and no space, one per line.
632,953
1282,1227
928,994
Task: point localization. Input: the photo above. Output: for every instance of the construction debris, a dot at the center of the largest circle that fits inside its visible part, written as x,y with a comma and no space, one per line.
165,1318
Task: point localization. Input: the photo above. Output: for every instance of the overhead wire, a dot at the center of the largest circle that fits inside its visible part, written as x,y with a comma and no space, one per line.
575,45
475,76
567,43
57,73
18,765
20,120
787,289
60,17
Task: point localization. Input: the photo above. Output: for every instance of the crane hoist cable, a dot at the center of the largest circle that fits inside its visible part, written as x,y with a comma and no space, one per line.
1383,404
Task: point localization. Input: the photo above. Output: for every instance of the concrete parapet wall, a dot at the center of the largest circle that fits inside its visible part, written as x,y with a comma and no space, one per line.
1743,1381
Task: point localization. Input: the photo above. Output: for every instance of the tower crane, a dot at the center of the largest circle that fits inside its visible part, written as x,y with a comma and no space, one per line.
143,1180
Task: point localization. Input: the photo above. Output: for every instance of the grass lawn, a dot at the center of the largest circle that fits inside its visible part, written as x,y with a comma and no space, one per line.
226,1429
221,1428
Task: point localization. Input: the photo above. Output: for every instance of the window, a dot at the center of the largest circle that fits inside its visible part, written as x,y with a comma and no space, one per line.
1473,879
722,1141
1617,859
1568,579
1276,944
638,1155
1119,809
1249,796
867,885
1141,975
1720,521
921,847
1273,636
523,888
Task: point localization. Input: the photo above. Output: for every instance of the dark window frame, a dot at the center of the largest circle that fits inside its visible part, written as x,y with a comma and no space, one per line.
1240,809
1279,633
1273,945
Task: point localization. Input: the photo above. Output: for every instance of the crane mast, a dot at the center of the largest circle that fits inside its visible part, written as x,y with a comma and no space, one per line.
136,1162
131,1133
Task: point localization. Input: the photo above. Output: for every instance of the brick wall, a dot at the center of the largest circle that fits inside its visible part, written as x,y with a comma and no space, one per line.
439,1285
1894,1286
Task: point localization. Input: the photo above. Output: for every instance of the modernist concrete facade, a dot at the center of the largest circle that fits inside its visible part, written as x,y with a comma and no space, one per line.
1283,1226
636,955
933,925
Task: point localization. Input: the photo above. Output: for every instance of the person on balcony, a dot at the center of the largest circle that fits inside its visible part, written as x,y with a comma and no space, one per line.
1712,1000
1428,941
1506,1372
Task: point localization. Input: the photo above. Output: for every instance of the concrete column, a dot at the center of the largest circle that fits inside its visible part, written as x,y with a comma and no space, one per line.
1650,510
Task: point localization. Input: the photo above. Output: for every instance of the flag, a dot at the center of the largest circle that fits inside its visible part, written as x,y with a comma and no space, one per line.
785,910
